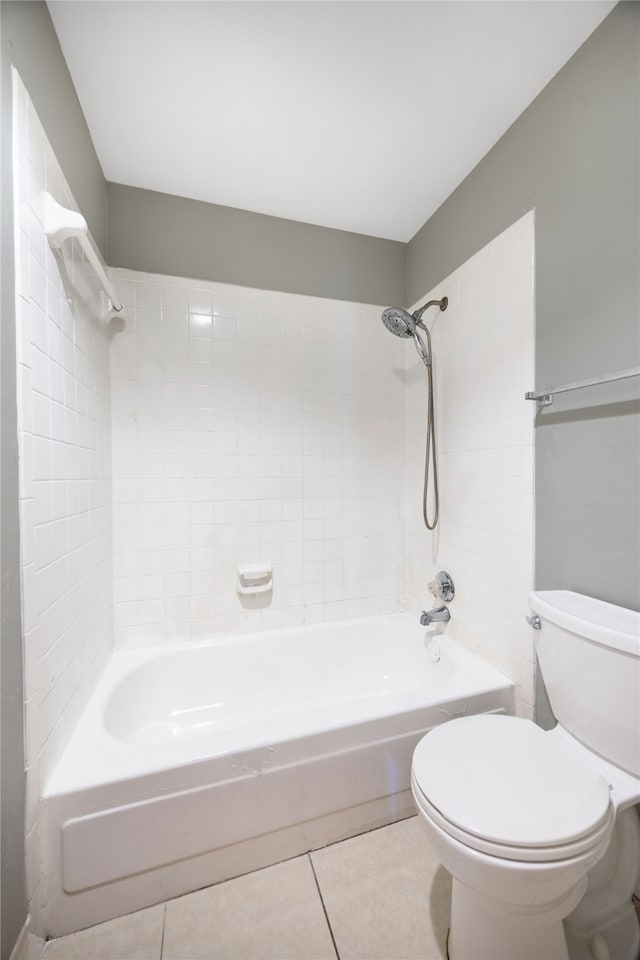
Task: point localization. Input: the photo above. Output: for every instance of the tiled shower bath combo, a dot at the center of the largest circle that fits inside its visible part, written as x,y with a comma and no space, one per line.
208,428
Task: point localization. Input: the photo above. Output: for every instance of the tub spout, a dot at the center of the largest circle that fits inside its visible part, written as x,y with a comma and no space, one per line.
439,615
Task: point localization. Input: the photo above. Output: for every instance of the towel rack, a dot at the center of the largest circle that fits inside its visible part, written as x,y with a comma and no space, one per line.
61,224
545,396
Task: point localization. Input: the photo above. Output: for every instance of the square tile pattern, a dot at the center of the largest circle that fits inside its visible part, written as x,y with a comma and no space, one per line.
382,894
483,353
64,438
252,426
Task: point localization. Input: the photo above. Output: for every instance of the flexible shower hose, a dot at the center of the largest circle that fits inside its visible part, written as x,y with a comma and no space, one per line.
430,451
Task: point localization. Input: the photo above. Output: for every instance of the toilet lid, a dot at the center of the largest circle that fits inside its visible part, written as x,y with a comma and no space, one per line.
503,779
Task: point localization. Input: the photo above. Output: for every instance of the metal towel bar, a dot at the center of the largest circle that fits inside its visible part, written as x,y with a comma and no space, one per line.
544,397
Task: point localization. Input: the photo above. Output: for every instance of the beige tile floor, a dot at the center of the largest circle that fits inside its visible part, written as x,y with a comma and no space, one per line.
379,896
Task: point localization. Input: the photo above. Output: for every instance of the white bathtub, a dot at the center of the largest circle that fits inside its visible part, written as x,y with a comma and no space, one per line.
196,763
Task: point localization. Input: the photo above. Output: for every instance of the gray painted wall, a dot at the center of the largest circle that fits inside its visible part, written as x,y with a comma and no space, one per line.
160,233
31,43
573,155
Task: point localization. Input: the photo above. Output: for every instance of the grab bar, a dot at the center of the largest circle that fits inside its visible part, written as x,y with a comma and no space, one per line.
545,396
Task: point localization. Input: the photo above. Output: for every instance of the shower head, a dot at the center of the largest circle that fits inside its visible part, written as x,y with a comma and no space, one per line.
399,322
405,325
402,324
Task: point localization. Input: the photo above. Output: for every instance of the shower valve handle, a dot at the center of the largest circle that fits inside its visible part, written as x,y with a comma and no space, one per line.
442,587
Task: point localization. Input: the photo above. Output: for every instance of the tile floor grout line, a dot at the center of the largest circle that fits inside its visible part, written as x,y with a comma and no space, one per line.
164,927
333,939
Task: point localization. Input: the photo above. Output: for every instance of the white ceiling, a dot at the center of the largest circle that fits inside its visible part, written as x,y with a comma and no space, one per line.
362,116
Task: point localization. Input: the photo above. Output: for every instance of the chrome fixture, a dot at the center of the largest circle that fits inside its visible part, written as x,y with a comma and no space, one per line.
404,324
534,622
544,397
442,587
439,615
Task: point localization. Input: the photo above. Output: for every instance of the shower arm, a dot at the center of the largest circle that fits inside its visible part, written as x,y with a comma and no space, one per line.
417,315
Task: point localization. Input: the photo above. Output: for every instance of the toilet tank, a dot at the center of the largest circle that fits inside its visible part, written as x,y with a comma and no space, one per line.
589,655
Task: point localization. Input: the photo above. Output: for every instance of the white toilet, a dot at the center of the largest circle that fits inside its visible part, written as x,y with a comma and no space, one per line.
538,828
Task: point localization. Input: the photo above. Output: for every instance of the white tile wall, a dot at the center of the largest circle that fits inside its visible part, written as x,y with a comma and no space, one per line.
483,348
252,426
65,495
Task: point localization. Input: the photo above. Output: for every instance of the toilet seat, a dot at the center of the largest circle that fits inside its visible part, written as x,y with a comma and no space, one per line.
503,786
521,853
